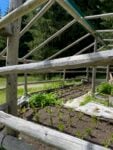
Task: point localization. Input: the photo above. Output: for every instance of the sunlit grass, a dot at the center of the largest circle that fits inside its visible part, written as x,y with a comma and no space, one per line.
33,88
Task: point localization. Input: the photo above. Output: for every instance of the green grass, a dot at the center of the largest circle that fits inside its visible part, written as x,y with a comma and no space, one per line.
89,98
2,97
31,89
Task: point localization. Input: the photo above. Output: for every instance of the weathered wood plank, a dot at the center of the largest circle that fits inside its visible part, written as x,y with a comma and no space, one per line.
47,135
85,60
20,11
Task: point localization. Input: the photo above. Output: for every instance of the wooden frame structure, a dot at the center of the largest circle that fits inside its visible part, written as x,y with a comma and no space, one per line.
48,65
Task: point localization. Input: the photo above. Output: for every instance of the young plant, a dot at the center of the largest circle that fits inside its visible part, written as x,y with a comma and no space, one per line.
49,111
36,117
95,121
88,131
61,127
70,116
80,115
79,134
106,143
44,99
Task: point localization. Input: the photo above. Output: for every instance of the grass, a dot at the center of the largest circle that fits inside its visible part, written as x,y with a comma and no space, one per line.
89,98
33,88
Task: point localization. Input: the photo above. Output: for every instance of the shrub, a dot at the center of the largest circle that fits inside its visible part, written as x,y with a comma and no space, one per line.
42,100
105,88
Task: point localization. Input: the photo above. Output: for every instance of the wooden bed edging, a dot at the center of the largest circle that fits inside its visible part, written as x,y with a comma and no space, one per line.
47,135
12,143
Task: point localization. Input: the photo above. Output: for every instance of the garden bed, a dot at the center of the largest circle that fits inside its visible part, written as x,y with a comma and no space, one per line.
70,121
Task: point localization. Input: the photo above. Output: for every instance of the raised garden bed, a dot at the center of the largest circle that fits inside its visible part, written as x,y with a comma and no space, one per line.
72,122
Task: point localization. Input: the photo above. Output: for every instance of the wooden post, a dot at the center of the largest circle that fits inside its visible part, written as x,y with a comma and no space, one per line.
107,73
25,85
12,59
94,72
87,74
64,75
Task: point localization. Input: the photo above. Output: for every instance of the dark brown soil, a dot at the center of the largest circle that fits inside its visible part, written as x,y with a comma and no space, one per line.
72,122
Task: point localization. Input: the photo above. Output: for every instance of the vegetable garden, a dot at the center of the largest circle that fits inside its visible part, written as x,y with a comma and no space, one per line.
66,114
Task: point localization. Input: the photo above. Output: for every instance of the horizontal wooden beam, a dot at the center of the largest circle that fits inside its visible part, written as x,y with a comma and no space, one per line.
78,61
47,135
28,6
37,17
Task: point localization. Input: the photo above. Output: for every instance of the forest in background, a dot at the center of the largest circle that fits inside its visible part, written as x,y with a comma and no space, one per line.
55,18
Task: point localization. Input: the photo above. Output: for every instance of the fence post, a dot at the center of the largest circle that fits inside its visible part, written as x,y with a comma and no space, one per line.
107,73
12,59
64,75
87,74
94,71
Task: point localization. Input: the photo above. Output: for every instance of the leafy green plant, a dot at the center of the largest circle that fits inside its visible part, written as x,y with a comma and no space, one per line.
61,127
104,88
42,100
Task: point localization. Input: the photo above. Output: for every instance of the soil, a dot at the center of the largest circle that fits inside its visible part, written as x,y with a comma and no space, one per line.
71,122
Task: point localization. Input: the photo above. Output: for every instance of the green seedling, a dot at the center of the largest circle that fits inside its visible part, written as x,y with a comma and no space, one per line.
80,115
106,143
95,121
37,117
79,134
70,119
61,127
88,131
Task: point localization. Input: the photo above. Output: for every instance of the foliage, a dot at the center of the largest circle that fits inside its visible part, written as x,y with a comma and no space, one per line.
89,98
105,88
42,100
